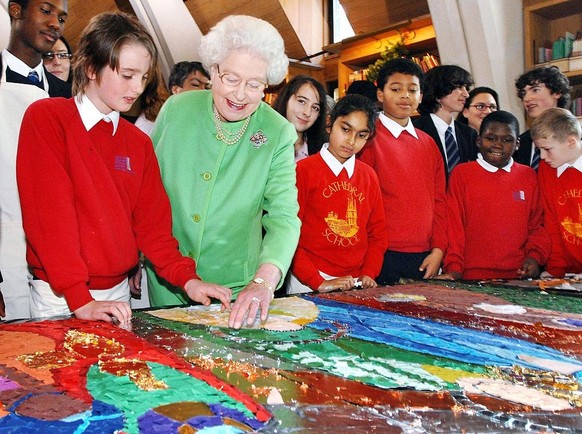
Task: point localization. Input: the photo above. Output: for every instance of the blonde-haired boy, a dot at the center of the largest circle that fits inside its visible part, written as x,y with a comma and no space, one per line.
556,132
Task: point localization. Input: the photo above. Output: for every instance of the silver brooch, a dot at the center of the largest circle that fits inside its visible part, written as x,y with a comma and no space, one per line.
258,139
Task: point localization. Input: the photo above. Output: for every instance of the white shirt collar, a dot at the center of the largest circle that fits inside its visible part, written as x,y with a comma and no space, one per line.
395,128
490,167
577,165
15,64
335,166
91,116
442,126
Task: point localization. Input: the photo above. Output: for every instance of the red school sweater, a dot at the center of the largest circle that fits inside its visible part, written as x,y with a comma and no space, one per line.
343,230
495,221
90,201
562,201
412,180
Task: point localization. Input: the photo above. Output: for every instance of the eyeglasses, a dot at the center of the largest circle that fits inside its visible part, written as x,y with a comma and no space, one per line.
50,55
482,107
233,80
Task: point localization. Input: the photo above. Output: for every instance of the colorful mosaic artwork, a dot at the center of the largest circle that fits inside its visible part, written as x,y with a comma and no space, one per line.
408,358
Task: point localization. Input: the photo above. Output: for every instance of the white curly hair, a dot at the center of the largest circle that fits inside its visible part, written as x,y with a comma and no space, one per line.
237,32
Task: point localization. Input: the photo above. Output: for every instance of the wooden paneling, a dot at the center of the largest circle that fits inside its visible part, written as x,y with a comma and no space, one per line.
365,15
369,15
80,13
207,13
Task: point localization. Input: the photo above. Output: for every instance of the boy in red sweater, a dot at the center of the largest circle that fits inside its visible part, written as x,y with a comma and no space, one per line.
412,178
90,186
343,232
494,215
556,132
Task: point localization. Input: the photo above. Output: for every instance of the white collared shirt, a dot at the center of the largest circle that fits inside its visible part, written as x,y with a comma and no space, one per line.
442,127
577,165
15,64
491,168
395,128
91,116
302,153
335,166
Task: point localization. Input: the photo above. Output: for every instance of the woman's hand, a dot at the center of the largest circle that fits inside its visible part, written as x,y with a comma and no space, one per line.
252,298
105,311
201,292
255,296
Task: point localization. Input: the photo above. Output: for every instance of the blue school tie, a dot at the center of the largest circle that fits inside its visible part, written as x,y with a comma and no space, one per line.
535,160
33,76
451,149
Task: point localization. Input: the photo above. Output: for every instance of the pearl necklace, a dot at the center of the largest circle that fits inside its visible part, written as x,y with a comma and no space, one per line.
226,136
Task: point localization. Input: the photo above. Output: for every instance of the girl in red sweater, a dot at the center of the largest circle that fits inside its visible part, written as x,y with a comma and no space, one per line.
343,233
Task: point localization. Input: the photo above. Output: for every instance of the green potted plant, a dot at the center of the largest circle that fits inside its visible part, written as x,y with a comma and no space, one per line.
392,51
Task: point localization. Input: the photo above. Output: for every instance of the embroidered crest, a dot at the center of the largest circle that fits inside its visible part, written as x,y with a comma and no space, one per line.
122,163
258,139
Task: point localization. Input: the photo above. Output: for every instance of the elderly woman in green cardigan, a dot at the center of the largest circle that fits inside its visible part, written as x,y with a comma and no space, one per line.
227,163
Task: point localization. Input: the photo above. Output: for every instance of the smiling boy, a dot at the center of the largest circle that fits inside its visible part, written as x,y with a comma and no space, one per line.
494,216
556,132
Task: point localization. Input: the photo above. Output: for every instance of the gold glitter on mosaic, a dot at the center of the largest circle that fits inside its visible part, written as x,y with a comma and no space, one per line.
48,360
90,345
138,371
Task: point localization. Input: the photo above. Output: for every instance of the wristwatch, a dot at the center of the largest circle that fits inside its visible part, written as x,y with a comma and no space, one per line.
263,283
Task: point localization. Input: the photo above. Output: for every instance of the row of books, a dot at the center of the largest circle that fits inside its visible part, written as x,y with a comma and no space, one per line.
426,62
563,47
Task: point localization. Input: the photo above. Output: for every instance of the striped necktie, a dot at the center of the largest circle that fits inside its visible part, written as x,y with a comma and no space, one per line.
535,159
33,76
451,149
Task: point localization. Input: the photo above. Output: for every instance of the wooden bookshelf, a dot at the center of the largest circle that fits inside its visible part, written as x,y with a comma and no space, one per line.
357,53
544,22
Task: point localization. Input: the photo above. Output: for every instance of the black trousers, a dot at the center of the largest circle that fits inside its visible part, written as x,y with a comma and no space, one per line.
401,265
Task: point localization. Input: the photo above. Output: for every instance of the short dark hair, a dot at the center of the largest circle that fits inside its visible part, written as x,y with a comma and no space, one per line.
23,5
62,38
439,82
315,135
501,117
355,103
551,77
102,41
399,65
182,70
365,88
